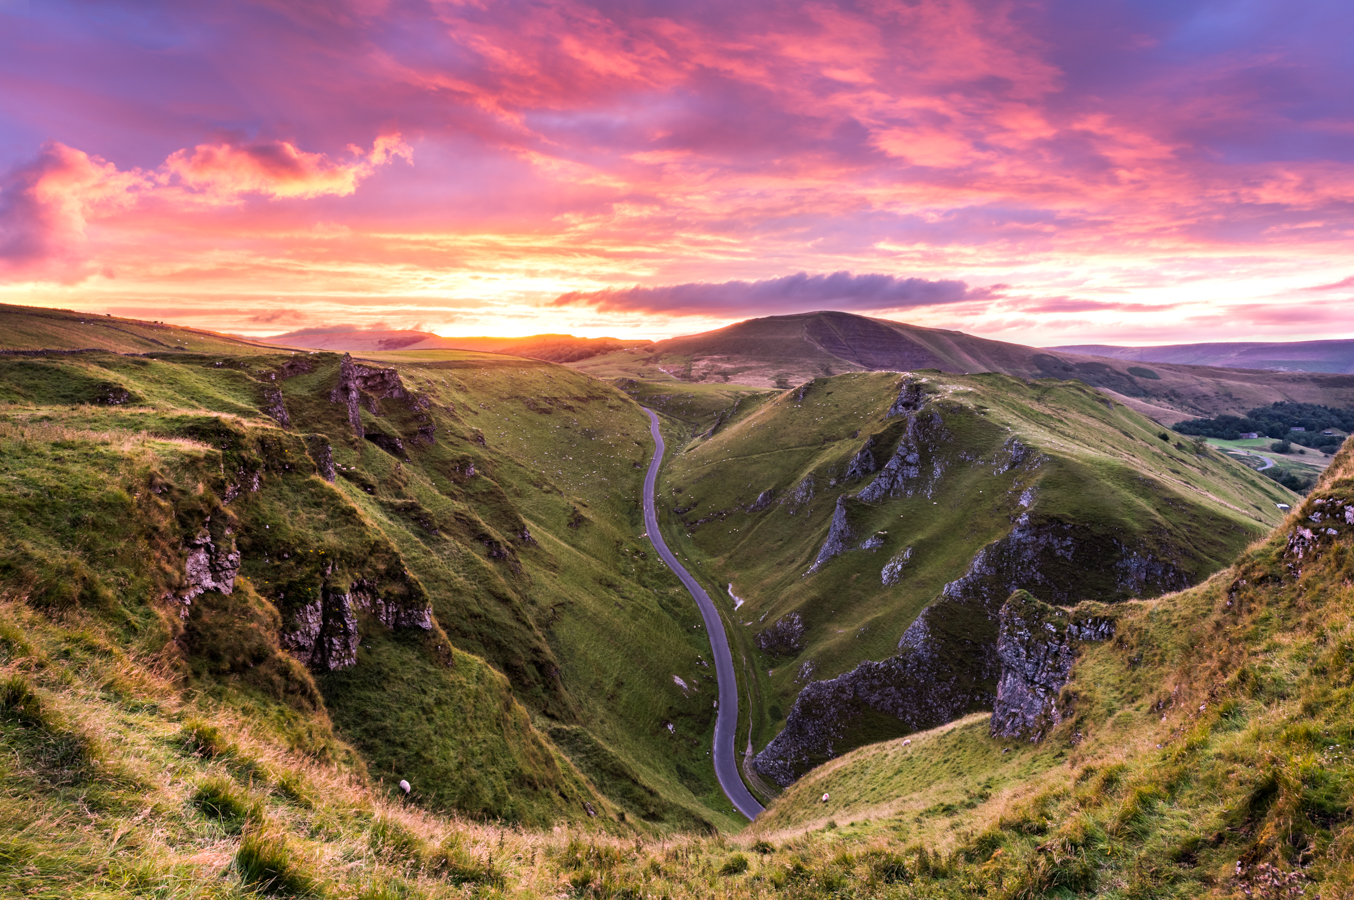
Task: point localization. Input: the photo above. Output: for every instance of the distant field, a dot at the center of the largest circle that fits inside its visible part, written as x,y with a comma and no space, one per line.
1301,461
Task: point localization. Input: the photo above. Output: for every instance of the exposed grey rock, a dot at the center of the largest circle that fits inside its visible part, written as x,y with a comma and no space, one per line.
839,536
211,564
910,398
899,476
863,463
873,542
324,633
802,494
377,383
1139,572
1328,515
273,405
1037,645
947,663
1012,455
763,501
893,569
784,637
921,687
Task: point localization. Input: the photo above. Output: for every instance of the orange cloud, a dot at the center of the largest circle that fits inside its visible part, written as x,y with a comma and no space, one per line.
47,205
276,169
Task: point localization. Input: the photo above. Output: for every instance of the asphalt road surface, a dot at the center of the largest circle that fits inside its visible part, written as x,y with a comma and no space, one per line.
726,718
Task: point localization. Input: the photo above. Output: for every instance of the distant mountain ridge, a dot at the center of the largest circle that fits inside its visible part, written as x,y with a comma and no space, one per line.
1333,356
783,351
559,348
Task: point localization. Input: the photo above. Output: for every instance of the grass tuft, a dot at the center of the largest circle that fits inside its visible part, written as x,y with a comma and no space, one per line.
204,739
270,863
19,702
221,799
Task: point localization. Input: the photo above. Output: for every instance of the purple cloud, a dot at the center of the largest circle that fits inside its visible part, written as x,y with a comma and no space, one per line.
792,293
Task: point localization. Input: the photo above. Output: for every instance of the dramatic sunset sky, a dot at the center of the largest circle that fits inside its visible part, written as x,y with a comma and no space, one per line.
1051,171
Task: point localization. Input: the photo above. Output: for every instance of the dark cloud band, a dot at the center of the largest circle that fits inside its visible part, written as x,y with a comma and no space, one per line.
791,293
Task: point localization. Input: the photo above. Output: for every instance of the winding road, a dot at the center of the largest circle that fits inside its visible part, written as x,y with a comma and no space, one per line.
726,717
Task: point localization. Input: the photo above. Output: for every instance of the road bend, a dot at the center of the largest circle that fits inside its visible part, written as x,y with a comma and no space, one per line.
726,716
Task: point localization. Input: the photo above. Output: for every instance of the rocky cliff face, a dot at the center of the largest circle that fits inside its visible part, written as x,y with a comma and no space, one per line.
949,661
212,564
925,685
325,632
839,536
1037,645
325,635
376,384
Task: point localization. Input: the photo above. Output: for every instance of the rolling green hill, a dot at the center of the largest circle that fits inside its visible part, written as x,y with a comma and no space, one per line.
435,568
244,592
783,351
871,525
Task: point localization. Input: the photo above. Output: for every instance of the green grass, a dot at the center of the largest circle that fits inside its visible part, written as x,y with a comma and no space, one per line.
1106,474
148,753
554,455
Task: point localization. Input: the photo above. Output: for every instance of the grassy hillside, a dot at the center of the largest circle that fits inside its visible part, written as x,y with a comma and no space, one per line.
782,351
753,505
1206,754
496,498
31,328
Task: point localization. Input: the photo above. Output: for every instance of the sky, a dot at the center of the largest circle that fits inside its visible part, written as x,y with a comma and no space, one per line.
1047,172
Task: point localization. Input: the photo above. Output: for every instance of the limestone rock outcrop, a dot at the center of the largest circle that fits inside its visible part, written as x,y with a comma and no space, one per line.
324,634
1037,645
212,564
948,663
378,384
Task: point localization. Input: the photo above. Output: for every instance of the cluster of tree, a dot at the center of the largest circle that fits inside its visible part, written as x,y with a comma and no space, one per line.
1297,482
1278,421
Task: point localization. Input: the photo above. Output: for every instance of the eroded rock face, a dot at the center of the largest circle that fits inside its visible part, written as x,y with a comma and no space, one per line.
863,463
273,405
922,687
911,397
1322,519
1037,645
901,475
322,453
324,634
356,379
839,536
211,565
784,637
947,663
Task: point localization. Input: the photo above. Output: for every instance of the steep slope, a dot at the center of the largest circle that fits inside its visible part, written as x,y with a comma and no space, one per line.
1289,356
1203,751
28,328
782,351
450,549
871,525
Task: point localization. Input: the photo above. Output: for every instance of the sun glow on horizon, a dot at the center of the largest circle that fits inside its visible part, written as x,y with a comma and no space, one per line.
1061,174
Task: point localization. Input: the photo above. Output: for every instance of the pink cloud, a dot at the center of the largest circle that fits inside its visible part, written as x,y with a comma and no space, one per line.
47,205
276,169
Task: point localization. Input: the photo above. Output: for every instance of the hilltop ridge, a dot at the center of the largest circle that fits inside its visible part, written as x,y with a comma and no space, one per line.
783,351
